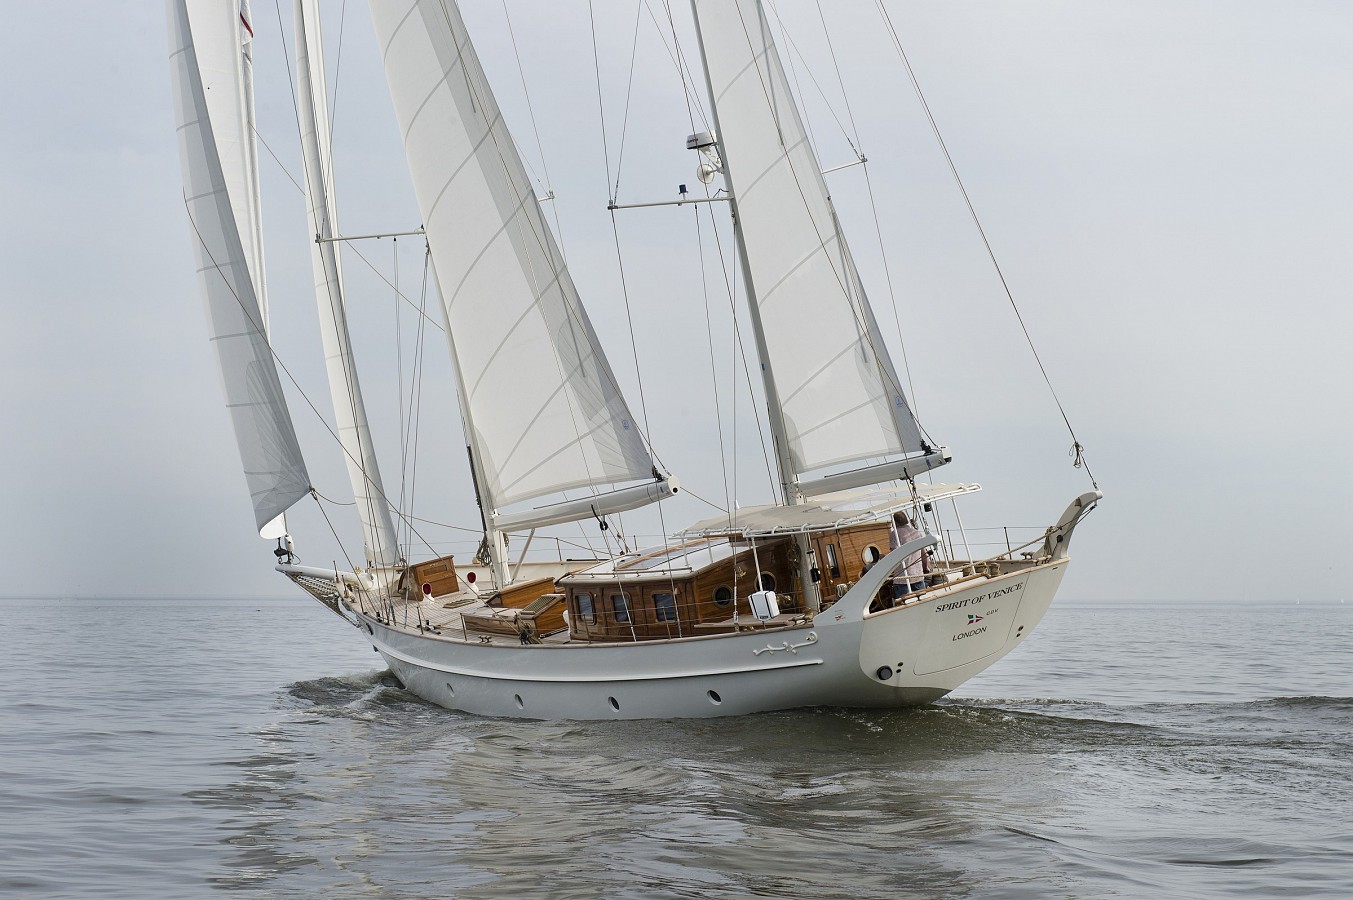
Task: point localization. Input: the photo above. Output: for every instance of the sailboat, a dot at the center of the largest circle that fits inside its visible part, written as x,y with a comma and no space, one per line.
823,598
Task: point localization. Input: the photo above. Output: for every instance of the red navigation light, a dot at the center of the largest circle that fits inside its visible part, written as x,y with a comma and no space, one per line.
470,577
427,589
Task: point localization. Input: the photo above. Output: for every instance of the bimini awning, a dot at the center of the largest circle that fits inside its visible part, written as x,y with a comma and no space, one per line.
826,513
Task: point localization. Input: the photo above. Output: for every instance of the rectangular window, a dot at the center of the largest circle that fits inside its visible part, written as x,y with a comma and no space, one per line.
832,566
586,611
620,605
665,606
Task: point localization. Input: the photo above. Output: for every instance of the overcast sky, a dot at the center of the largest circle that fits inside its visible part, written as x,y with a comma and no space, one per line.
1164,183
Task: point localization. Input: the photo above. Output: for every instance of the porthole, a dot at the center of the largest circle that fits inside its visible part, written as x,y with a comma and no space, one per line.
520,704
615,705
871,555
767,581
715,698
723,596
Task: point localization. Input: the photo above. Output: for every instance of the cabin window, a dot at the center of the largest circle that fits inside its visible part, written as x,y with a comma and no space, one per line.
723,595
665,606
871,555
832,566
767,581
586,611
620,605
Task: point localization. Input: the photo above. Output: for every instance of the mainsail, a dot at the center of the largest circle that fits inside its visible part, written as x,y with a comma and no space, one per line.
542,408
354,434
209,100
838,392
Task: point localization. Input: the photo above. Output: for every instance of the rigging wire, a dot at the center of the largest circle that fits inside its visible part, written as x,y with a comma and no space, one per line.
338,68
858,146
740,353
353,247
713,366
1077,449
535,128
277,358
629,93
688,82
694,107
409,468
858,311
346,558
399,387
624,289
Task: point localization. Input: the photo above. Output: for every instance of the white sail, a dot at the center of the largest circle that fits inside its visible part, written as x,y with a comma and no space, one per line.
838,391
354,434
273,467
542,408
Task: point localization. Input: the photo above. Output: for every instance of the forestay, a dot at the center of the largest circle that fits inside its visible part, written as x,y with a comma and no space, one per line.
540,400
839,393
273,467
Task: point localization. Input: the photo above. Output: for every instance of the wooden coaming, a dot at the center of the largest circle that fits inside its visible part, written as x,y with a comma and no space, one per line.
518,595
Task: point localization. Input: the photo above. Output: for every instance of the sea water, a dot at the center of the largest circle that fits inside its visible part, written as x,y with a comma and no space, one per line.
165,748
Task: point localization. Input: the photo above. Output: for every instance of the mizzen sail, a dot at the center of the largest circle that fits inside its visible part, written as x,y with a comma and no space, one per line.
207,90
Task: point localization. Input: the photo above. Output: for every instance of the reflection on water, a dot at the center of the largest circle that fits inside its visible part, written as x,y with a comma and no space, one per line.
775,804
1155,764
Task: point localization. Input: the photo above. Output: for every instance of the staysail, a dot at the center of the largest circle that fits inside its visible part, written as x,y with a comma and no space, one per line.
354,434
208,92
839,394
540,402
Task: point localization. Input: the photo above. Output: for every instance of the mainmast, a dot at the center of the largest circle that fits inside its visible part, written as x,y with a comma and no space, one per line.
833,392
354,434
784,463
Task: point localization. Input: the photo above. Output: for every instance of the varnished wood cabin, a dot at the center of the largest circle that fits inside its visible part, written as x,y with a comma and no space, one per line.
686,589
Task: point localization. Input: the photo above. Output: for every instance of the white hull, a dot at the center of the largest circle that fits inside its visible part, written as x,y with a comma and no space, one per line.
929,648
